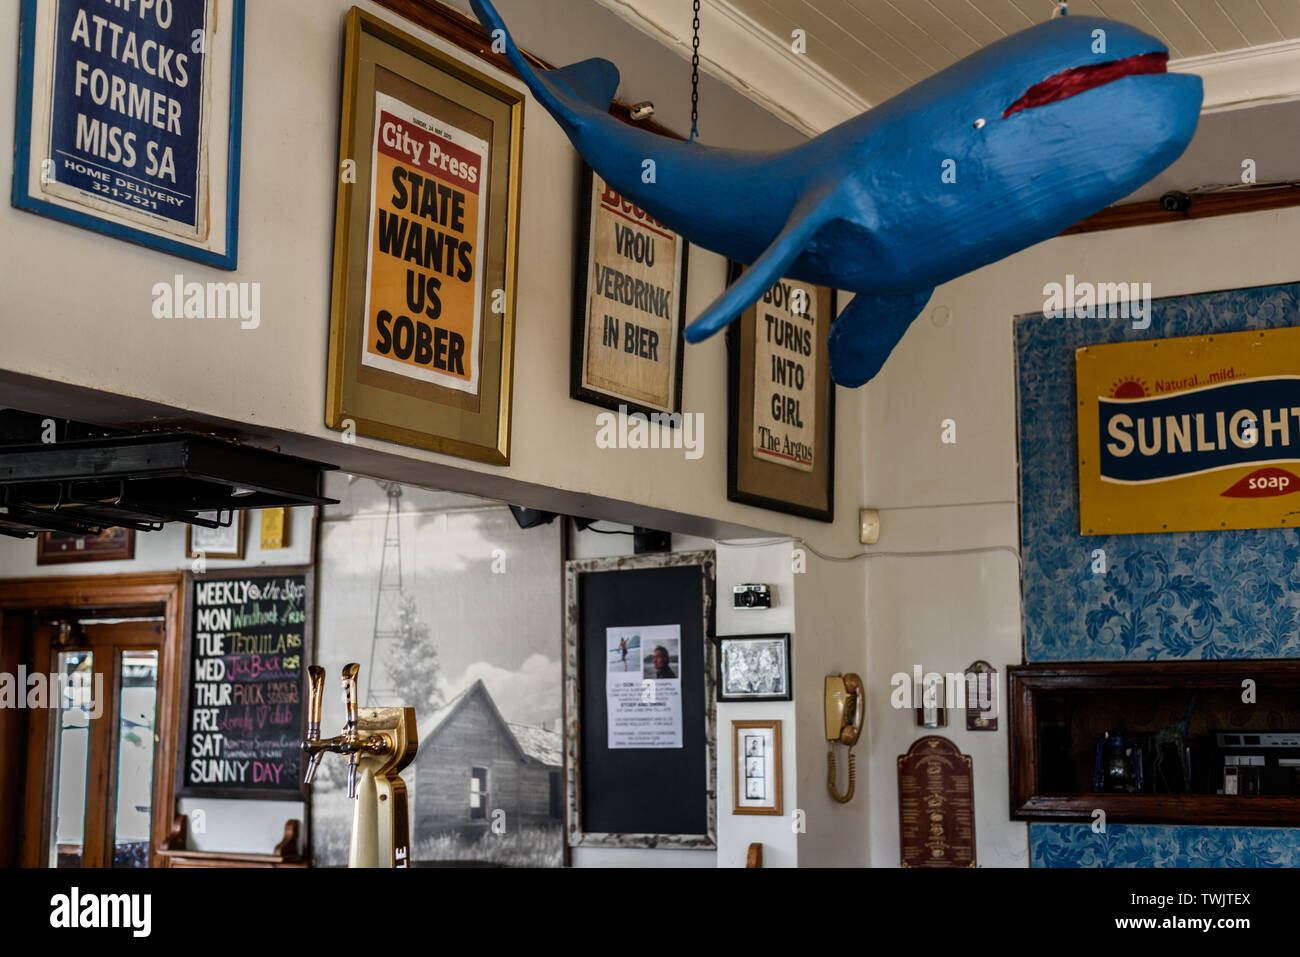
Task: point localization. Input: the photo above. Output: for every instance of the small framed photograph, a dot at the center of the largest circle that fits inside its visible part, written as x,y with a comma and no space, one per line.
754,668
756,785
110,545
224,542
630,306
781,402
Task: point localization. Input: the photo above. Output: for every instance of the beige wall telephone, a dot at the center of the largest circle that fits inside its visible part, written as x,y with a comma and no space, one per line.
845,707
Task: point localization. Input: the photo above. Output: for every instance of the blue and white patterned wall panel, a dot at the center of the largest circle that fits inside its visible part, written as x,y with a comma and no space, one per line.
1192,595
1075,845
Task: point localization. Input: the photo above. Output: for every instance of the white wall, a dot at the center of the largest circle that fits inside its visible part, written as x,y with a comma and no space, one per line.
945,612
164,551
833,637
751,563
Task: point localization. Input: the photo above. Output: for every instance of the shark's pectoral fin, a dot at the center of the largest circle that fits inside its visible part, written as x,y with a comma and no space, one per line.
867,331
812,212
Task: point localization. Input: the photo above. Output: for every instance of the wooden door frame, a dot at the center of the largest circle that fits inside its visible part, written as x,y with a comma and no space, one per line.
135,592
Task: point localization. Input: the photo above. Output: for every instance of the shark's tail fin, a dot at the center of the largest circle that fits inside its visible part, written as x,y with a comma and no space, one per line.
569,93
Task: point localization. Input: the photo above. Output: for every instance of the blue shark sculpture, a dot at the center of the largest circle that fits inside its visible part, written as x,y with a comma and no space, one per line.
1000,151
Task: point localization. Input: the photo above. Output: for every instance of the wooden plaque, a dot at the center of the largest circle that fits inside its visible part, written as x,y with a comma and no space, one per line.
981,697
936,805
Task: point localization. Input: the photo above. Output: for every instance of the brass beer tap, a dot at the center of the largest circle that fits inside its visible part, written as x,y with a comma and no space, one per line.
378,743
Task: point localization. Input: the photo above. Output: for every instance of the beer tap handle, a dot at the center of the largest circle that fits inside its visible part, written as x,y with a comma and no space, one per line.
315,693
350,728
350,697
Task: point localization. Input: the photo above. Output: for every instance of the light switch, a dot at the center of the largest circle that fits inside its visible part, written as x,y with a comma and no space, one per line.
869,531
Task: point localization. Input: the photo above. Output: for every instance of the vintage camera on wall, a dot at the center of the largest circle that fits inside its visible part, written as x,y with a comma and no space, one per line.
751,596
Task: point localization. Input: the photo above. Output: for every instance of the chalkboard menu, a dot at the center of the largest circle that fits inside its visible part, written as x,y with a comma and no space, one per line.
247,647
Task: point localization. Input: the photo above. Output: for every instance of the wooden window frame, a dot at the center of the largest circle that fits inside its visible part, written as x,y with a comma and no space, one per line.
484,810
123,594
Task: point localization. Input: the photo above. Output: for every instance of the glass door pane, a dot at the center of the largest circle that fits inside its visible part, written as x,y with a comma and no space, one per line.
138,680
72,701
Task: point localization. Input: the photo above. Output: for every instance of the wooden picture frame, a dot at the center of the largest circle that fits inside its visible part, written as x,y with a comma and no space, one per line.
795,474
1029,686
756,748
637,364
62,548
236,529
422,345
588,583
741,670
177,189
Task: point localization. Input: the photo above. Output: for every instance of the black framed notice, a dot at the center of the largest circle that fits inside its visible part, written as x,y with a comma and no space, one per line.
248,640
639,701
781,401
629,296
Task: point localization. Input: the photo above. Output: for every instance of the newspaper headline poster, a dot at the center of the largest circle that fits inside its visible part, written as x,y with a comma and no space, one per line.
428,220
785,376
643,686
128,120
635,271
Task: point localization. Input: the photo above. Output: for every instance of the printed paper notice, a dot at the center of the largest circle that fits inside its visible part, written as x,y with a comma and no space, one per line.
424,298
785,376
643,686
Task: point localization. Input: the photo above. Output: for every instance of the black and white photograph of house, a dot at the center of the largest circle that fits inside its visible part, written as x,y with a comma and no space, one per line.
450,608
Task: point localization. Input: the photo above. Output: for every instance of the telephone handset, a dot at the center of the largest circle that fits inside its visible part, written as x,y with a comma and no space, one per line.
845,708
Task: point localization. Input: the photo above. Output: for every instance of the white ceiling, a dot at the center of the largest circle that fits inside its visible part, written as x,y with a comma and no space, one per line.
878,48
860,53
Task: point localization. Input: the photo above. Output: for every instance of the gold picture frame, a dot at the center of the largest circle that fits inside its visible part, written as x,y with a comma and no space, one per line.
422,343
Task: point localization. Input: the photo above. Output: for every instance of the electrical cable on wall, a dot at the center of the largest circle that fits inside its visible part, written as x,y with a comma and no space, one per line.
940,553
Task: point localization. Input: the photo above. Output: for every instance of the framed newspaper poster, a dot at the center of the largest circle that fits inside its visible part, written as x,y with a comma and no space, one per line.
128,121
781,402
426,231
630,305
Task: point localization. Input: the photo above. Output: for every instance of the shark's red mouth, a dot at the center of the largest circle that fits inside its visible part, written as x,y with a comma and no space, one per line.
1080,79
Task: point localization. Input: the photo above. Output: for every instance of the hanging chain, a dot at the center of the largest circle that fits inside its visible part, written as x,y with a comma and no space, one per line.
695,75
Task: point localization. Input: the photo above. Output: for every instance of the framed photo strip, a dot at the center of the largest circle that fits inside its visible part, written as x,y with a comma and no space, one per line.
781,402
138,138
630,305
425,247
756,783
